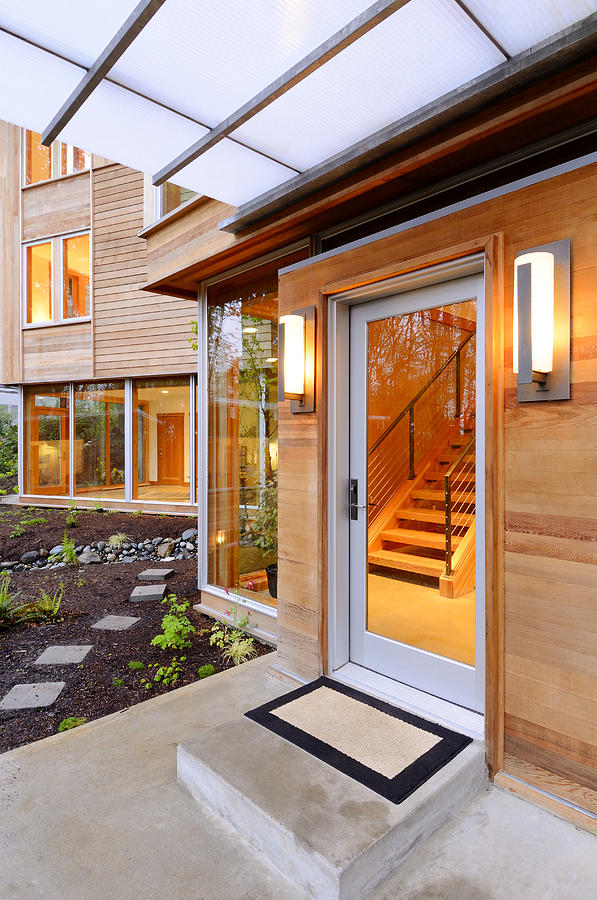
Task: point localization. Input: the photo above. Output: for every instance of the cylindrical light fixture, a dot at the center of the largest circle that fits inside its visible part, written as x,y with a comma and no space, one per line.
542,309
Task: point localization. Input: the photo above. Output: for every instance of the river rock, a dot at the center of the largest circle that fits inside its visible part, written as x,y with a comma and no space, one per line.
55,551
29,557
166,549
89,557
189,535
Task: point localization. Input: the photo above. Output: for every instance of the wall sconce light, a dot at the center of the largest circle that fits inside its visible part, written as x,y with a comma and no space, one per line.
541,326
296,375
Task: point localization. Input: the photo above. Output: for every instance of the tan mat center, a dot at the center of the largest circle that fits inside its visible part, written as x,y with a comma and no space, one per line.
371,737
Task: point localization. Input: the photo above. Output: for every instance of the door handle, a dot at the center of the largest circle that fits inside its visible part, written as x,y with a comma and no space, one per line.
353,497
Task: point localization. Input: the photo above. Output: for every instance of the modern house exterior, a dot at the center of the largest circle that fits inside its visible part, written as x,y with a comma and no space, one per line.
399,482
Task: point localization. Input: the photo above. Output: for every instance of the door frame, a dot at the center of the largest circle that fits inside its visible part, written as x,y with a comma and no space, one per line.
338,659
161,433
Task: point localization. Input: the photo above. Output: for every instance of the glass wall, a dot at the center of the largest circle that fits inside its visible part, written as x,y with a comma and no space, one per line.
46,440
99,440
75,277
38,265
242,348
161,439
38,159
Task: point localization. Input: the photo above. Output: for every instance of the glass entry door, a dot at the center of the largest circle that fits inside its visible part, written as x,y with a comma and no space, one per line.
416,541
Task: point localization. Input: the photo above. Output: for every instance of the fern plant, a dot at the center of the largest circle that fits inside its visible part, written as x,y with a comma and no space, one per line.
68,550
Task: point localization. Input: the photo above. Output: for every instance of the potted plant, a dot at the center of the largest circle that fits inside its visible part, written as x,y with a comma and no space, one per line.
265,530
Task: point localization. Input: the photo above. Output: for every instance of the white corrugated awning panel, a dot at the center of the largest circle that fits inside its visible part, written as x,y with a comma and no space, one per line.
195,63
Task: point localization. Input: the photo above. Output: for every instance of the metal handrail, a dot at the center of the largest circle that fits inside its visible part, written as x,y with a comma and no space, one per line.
448,502
410,407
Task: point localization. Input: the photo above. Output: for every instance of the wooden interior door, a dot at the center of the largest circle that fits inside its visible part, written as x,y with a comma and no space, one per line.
171,448
56,480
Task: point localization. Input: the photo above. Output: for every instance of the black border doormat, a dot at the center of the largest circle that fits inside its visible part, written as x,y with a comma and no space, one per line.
394,789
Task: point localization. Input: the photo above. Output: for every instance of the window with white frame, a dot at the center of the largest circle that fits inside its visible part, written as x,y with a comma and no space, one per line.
56,280
42,163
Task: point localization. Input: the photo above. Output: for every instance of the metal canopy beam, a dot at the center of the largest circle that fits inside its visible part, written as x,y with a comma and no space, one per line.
359,26
556,53
124,37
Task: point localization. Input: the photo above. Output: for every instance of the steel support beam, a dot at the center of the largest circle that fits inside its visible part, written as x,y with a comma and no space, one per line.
355,29
124,37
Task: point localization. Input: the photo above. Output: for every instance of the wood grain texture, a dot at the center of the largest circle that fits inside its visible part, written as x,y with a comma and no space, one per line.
135,332
541,626
57,353
10,304
56,207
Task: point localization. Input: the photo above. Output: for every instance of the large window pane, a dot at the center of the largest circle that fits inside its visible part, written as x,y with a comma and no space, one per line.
99,440
46,419
161,444
73,159
38,159
38,264
75,277
242,346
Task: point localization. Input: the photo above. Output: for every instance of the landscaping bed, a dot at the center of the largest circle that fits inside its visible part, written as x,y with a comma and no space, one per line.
93,687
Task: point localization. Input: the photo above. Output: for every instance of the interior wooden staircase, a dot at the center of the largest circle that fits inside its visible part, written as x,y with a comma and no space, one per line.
410,535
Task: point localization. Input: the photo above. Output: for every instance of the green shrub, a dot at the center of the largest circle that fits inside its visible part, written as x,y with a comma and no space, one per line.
72,722
176,627
9,454
206,671
136,664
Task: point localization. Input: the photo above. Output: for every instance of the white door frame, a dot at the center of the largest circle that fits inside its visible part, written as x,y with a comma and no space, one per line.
338,475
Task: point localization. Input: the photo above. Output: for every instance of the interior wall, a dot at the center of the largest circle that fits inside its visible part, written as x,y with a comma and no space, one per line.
542,712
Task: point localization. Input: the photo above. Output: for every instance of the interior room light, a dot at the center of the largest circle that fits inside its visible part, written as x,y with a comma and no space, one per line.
164,391
272,359
296,375
541,322
249,330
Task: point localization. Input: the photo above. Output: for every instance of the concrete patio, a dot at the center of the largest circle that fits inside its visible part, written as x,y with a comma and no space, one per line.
97,812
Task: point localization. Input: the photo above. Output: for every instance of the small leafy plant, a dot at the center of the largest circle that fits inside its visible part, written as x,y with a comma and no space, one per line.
117,541
28,522
117,682
10,610
166,675
136,664
98,507
68,550
47,607
231,639
72,517
176,627
17,530
72,722
206,670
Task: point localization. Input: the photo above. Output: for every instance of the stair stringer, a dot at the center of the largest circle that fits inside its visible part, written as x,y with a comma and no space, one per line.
462,579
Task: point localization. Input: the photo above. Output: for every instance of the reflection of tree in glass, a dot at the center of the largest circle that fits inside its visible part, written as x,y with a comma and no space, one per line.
93,419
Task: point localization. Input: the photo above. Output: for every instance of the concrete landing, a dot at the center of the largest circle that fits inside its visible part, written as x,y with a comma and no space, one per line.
330,836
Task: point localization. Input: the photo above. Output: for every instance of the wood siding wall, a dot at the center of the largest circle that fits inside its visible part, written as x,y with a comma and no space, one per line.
10,249
56,207
542,552
57,353
135,332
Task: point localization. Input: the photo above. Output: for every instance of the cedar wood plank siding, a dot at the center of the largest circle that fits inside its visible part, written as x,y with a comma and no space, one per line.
135,332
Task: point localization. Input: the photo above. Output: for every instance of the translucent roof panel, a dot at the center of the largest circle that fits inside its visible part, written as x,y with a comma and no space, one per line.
427,48
207,59
79,31
519,25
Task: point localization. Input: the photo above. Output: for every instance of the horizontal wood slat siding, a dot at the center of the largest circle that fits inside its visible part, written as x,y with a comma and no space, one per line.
10,306
57,353
135,332
548,549
56,207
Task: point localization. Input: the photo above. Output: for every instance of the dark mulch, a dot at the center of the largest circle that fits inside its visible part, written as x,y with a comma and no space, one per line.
8,483
92,526
90,593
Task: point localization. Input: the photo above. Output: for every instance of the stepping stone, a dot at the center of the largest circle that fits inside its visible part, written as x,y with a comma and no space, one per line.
63,654
154,574
27,696
115,623
148,592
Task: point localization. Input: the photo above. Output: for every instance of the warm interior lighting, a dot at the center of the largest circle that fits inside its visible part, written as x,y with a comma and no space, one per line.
164,391
220,537
542,310
293,362
272,359
249,330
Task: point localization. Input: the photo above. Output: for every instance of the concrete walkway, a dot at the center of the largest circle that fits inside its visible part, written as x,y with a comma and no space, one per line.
96,812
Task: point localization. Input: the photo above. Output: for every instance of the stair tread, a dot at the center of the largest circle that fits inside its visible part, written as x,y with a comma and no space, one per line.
420,564
438,495
430,515
459,476
449,457
417,538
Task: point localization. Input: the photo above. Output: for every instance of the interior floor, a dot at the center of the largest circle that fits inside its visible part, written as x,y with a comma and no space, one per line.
415,614
179,493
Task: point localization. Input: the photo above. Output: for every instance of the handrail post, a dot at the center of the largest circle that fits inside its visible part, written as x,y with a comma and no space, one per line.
458,400
411,442
448,518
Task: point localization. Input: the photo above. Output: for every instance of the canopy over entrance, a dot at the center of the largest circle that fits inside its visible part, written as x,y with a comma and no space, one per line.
235,100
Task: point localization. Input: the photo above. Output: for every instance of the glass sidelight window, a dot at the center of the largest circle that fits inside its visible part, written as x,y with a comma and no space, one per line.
76,300
38,283
161,439
46,442
38,159
99,440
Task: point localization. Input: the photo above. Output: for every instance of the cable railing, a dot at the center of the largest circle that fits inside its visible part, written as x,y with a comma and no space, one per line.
459,488
390,461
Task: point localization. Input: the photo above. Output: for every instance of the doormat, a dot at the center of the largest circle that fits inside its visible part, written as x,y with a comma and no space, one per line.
390,751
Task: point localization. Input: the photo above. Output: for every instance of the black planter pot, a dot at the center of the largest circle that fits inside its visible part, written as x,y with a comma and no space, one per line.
272,580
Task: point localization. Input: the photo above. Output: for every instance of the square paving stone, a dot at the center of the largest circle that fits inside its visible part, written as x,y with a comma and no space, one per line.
60,654
116,623
148,592
27,696
154,574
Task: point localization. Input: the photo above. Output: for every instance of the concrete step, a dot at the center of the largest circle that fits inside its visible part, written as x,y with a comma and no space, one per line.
328,835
